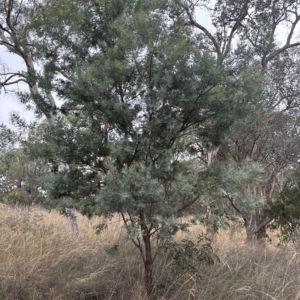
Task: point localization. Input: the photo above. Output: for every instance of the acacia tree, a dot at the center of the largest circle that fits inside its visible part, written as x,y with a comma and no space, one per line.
138,89
245,35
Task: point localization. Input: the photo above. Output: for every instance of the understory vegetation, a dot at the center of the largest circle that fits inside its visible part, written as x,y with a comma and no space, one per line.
41,260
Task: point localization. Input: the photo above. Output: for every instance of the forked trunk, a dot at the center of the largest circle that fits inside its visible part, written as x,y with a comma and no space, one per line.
256,225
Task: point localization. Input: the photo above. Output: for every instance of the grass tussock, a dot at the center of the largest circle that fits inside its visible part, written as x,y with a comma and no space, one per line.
39,259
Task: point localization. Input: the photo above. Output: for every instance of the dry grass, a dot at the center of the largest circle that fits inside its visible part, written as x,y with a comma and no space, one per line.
40,260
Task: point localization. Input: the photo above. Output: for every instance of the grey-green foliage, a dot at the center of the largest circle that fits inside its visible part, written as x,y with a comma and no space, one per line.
284,209
18,196
8,138
147,82
236,182
188,256
161,195
20,177
138,88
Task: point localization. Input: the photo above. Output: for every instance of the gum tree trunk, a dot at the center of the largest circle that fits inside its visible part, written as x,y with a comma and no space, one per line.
210,231
73,221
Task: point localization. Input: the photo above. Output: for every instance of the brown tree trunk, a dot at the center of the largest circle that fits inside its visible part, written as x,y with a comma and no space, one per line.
148,264
256,224
147,256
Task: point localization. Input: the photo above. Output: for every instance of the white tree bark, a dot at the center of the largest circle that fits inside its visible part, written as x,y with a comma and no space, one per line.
211,155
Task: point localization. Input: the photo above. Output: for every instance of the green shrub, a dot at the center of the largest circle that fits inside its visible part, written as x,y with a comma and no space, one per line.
18,196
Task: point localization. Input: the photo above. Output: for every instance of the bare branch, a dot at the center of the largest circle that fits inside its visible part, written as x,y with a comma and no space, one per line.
4,41
5,83
193,22
18,14
275,53
263,224
185,206
235,28
287,45
235,207
4,29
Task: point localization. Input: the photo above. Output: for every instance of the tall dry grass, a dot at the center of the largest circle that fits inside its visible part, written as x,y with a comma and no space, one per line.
40,260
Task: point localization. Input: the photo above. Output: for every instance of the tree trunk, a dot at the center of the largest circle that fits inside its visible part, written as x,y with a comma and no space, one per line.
148,264
73,221
147,256
210,230
256,225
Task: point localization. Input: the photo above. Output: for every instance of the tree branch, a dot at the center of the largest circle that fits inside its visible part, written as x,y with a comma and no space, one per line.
8,15
263,224
185,206
235,28
235,207
192,22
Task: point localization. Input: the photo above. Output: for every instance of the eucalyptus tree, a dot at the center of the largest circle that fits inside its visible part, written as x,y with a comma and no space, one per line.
263,35
285,209
18,36
139,86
